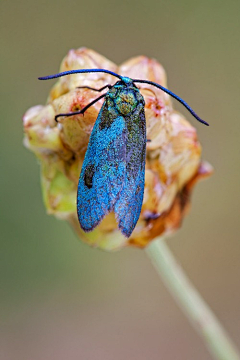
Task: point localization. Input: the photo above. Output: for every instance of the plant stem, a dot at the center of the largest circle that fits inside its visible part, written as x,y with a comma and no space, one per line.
190,301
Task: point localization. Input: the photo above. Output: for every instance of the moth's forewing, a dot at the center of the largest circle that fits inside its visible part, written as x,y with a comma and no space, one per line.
104,168
129,203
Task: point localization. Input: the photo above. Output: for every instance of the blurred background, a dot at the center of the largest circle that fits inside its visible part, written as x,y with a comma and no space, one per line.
61,299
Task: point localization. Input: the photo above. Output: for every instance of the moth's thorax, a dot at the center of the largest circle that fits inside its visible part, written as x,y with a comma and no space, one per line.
125,96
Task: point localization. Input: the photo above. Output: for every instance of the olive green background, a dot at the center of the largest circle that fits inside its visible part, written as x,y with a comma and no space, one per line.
61,299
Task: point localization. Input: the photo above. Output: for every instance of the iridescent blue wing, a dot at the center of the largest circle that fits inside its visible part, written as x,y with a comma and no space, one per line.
103,170
128,206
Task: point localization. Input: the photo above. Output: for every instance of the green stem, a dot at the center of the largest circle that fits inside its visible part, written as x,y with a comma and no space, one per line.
190,301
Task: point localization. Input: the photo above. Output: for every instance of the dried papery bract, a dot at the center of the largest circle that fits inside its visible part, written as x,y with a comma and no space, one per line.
173,161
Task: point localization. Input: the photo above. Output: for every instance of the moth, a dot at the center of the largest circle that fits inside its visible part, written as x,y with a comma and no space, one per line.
113,172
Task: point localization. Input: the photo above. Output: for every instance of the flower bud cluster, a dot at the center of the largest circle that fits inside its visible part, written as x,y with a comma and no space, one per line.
173,161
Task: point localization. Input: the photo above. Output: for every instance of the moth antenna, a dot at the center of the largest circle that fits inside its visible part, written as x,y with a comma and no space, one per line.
80,71
174,96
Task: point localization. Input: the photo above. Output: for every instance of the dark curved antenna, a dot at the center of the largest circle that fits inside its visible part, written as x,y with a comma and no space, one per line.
80,71
174,96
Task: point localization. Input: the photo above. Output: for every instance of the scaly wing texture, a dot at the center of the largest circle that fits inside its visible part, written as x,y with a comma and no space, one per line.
104,168
129,203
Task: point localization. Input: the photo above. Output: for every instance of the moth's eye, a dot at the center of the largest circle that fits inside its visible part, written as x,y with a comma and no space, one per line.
88,175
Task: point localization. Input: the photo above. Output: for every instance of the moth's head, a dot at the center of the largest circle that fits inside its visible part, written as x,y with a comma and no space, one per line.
126,80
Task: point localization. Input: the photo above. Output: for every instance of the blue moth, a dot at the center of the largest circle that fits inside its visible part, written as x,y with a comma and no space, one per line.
113,172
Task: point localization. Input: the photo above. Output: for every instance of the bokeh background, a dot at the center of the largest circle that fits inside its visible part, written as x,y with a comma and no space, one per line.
61,299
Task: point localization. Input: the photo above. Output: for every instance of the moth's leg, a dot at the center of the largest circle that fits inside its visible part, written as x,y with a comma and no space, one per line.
80,111
99,90
148,140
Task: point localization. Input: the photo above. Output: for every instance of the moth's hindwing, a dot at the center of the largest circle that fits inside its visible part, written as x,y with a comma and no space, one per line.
103,169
